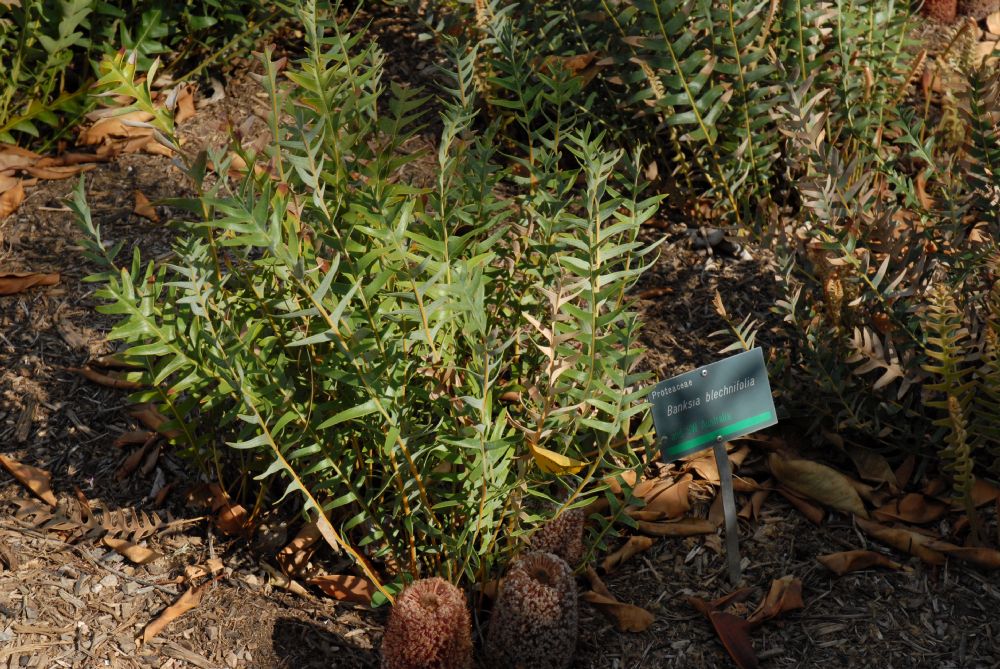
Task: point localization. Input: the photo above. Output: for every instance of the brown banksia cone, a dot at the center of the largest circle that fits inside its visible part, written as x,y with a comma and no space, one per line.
429,628
562,536
534,621
941,10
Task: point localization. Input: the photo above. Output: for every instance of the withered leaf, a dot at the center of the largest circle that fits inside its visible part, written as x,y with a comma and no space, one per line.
345,587
15,282
905,540
627,617
848,561
912,508
105,379
873,467
685,527
814,513
785,595
295,555
184,603
34,479
818,482
143,207
185,105
11,199
632,547
135,553
666,498
734,633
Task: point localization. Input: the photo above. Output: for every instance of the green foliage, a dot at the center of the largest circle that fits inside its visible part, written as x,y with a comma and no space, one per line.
46,49
426,368
802,124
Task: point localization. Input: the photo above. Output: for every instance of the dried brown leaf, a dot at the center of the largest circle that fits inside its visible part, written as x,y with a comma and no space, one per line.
818,482
38,481
15,282
143,207
912,508
135,553
684,527
632,547
184,603
903,539
345,587
293,557
734,633
185,105
105,379
56,172
785,595
813,513
873,467
993,23
667,498
848,561
627,617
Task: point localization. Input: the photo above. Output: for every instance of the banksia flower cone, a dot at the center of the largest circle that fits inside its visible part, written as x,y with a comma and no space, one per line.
941,10
429,628
562,536
534,622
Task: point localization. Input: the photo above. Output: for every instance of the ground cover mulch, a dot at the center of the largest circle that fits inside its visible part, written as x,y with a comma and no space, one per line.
82,604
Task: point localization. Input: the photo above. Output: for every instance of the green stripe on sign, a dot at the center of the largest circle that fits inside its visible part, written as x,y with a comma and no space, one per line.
738,426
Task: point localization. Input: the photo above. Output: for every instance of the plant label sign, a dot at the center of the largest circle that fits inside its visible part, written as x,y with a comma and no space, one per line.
712,404
707,407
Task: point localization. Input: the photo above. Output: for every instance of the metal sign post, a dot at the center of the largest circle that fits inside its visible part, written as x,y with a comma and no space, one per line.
708,407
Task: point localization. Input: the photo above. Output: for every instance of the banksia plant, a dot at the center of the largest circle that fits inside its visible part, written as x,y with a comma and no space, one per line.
562,536
429,628
534,623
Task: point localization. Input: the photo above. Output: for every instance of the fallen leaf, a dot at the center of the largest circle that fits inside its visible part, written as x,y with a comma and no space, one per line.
912,508
980,556
732,630
751,510
185,603
818,482
185,105
905,470
848,561
905,540
106,379
133,438
703,464
282,581
983,492
667,498
993,23
212,566
734,633
632,547
295,555
873,467
149,415
785,595
233,519
135,553
143,207
627,617
554,463
55,172
15,282
813,513
345,587
684,527
34,479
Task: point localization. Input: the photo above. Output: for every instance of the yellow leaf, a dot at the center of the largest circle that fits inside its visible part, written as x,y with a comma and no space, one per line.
555,463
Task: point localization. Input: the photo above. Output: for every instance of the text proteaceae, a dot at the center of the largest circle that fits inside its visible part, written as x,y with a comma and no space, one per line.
710,395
